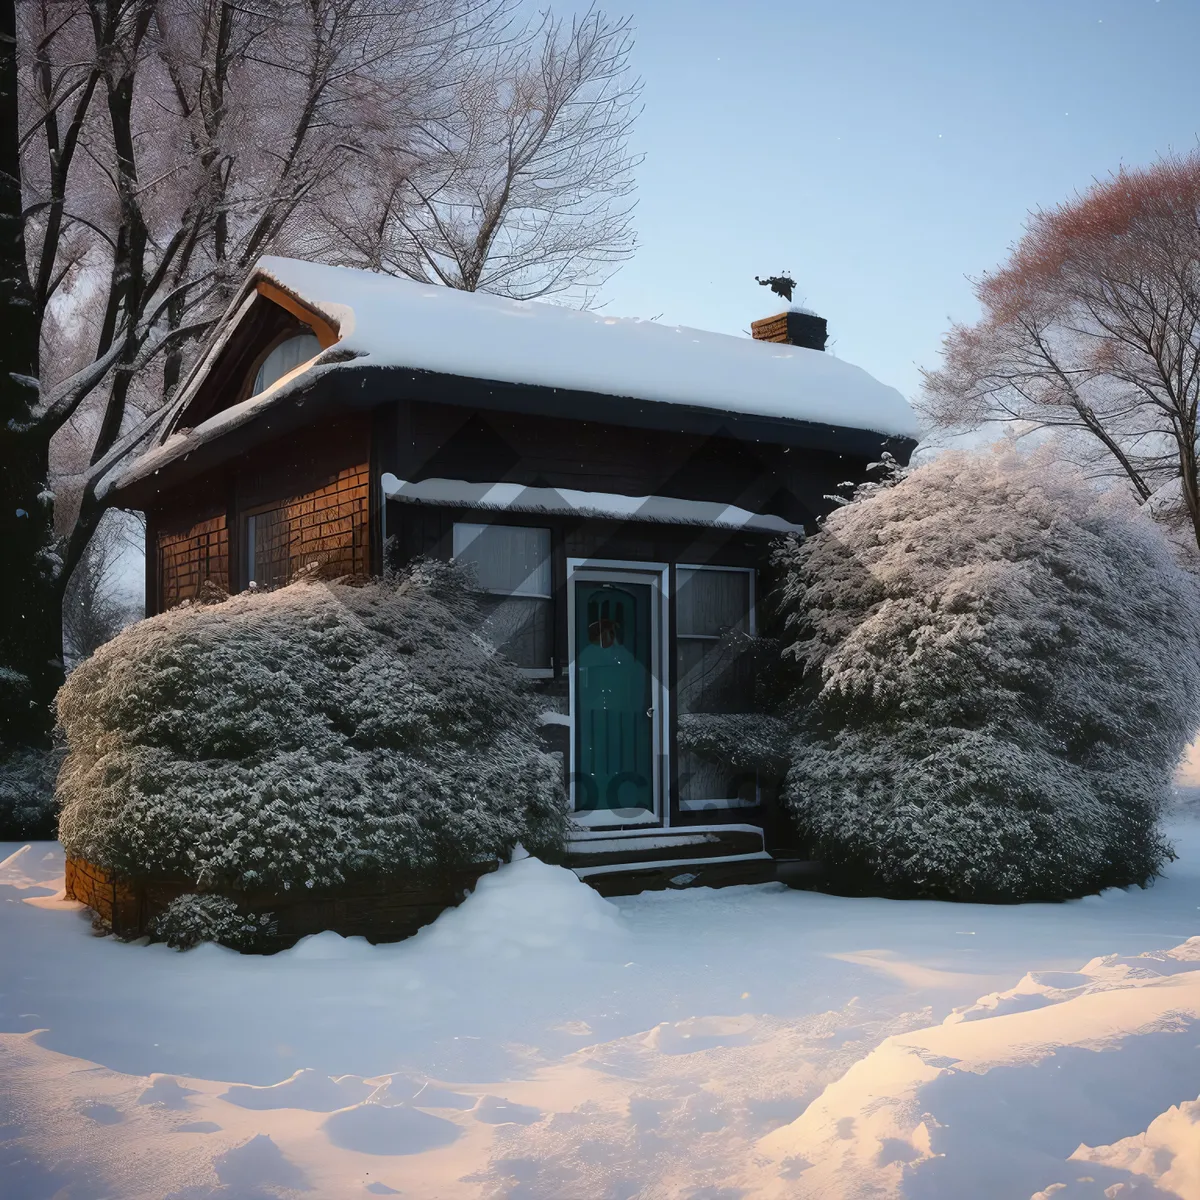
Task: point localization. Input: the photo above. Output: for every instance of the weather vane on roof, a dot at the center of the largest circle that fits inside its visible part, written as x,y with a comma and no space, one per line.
781,285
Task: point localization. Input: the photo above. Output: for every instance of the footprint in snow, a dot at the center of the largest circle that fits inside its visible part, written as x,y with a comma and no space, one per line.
388,1129
103,1114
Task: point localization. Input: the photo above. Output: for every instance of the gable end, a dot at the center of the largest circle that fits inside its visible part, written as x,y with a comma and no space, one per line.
273,318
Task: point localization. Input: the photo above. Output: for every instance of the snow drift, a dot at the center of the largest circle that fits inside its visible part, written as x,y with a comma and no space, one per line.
527,908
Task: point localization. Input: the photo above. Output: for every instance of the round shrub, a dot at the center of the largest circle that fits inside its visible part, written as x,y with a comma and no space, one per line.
191,919
1002,671
305,736
27,792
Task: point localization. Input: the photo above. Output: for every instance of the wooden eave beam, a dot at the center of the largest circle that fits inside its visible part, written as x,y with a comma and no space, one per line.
326,333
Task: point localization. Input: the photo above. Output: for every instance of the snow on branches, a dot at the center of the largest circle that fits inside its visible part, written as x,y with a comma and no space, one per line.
305,736
1091,328
1003,669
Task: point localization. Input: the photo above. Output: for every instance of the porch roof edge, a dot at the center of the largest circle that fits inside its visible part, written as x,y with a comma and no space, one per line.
515,497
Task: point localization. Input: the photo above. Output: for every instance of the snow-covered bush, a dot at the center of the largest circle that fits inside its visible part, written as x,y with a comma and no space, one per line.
304,736
1003,670
191,919
27,793
744,741
15,694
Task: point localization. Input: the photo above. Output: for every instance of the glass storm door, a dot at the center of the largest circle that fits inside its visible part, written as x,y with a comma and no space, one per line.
614,696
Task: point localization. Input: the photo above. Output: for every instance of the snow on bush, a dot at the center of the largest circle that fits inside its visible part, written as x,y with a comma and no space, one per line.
304,736
1003,670
27,793
191,919
745,741
26,773
15,696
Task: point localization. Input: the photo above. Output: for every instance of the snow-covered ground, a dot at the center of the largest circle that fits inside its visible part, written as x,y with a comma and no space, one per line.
542,1042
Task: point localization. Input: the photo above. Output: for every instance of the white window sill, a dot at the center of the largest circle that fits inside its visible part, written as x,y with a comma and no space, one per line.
709,805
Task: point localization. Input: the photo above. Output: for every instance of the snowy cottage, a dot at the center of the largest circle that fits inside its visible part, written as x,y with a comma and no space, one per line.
616,483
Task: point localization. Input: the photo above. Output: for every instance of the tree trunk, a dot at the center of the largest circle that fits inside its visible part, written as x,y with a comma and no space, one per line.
30,598
1189,478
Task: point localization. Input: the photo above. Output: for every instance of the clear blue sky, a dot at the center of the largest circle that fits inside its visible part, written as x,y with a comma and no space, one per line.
881,150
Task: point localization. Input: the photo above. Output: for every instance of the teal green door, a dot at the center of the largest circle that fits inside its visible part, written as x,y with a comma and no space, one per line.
614,696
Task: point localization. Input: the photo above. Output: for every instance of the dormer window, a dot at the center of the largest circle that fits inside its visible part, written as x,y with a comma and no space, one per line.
287,356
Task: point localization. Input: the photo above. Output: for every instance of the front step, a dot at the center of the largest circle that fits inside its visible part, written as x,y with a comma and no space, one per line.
726,871
624,863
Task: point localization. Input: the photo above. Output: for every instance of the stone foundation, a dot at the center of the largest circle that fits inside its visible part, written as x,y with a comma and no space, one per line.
382,910
114,900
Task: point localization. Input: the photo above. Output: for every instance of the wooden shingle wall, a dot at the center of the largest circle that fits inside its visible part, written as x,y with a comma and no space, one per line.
328,527
309,495
331,523
188,557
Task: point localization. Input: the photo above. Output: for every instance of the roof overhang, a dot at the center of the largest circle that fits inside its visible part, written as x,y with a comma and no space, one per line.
350,387
327,332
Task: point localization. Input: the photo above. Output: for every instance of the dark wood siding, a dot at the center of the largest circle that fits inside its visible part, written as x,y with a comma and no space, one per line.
327,527
301,463
427,529
428,441
188,558
317,482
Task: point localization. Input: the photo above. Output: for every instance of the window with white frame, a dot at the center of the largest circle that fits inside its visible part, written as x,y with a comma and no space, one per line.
287,356
714,621
512,568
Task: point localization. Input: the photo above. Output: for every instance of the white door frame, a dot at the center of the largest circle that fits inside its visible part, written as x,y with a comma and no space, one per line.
580,570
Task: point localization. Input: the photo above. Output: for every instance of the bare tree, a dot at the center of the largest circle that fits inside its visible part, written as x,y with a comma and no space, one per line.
522,186
99,602
165,145
1092,329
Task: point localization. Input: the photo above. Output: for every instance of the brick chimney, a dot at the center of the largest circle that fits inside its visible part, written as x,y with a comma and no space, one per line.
794,328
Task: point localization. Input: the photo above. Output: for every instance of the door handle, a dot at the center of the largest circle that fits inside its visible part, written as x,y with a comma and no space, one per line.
650,712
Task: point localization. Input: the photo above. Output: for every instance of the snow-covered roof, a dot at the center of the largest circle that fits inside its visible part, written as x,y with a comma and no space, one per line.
382,321
385,321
